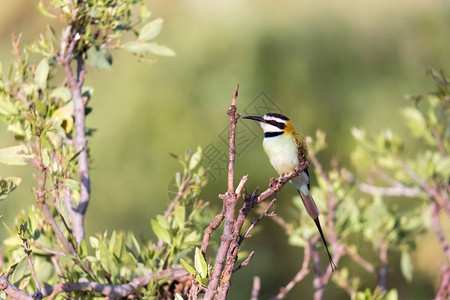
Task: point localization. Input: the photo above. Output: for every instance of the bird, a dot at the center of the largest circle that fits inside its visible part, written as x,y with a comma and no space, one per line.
286,149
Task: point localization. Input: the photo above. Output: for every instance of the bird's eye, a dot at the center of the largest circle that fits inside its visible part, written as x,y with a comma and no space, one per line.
272,122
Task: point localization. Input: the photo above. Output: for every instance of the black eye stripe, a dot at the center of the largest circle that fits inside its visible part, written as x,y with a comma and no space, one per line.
276,124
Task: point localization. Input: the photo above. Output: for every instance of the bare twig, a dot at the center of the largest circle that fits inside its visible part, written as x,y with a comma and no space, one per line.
359,260
256,287
317,282
383,267
230,204
211,227
27,250
245,262
264,214
392,191
438,229
299,276
444,286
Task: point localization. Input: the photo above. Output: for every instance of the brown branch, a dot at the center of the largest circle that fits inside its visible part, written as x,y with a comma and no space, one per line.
393,191
444,286
438,229
438,140
317,282
245,262
111,291
211,227
299,276
264,214
256,287
27,250
229,202
69,41
383,268
359,259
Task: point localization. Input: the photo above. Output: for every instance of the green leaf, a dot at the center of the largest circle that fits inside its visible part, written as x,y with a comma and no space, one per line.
62,93
179,213
99,57
41,75
195,159
7,185
107,259
392,295
136,47
187,267
161,232
150,30
43,10
160,50
443,166
415,120
145,14
72,184
7,108
406,266
200,263
14,156
93,241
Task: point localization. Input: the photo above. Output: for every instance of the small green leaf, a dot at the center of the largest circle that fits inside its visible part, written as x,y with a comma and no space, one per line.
179,213
200,263
7,108
93,241
195,159
14,156
62,93
136,47
7,185
161,232
99,57
443,166
160,50
392,295
145,14
43,10
41,75
151,30
406,266
187,267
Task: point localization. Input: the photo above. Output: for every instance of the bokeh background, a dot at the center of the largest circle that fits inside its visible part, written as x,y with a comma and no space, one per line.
328,65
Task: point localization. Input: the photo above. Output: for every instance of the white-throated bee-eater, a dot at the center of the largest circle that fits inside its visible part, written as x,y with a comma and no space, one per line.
285,149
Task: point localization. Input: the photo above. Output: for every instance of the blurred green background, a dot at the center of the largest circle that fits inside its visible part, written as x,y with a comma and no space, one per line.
328,65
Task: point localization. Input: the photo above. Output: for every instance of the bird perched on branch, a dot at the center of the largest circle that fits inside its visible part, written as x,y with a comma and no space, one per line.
286,149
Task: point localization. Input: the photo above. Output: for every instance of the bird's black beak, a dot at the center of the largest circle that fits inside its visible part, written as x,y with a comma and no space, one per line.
254,118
